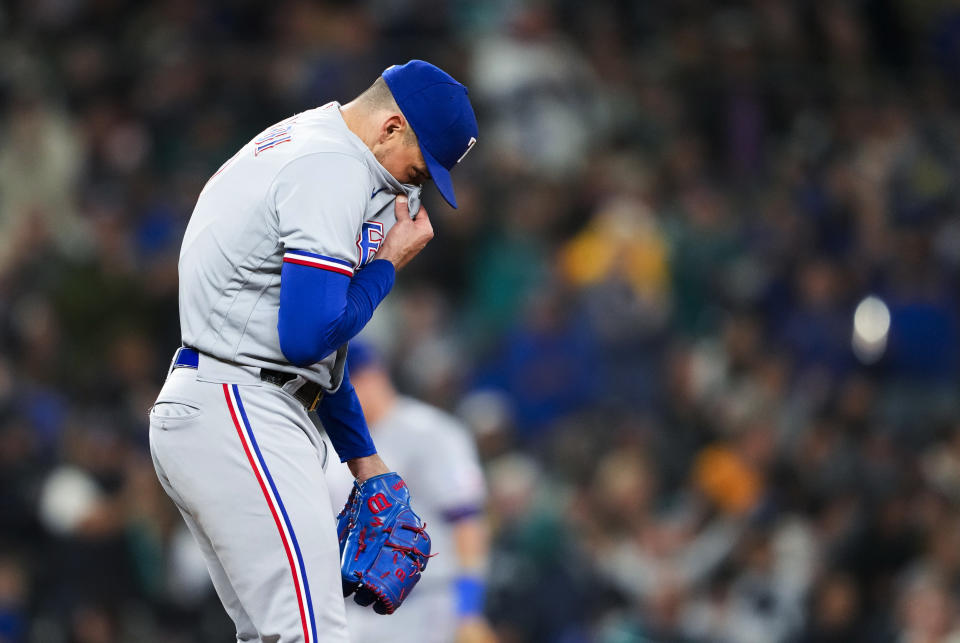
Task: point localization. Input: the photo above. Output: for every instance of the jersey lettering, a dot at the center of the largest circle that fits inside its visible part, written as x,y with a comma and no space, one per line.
371,236
273,137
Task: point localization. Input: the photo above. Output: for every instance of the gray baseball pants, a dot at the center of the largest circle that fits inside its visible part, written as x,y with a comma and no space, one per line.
244,465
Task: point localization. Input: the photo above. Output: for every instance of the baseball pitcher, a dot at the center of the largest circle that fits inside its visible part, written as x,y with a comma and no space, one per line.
291,246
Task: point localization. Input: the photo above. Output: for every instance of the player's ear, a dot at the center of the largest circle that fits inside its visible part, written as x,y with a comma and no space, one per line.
392,127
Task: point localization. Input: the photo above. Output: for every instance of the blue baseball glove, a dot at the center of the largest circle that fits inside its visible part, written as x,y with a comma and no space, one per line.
383,545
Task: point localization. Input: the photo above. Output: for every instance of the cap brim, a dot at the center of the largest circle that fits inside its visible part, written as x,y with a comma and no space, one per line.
441,178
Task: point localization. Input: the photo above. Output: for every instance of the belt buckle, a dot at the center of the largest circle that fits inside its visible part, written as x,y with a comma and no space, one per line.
316,400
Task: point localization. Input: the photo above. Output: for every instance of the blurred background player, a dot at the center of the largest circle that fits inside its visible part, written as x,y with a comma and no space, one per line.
439,460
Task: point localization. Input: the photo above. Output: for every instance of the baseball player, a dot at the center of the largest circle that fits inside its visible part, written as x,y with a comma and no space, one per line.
291,246
441,468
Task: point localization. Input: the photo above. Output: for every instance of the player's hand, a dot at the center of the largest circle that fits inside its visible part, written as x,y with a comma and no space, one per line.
407,237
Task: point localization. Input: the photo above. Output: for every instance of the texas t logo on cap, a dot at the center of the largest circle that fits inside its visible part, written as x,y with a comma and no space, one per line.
473,141
439,111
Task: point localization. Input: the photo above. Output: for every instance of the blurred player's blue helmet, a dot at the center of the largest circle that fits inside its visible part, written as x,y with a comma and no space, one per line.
439,111
361,355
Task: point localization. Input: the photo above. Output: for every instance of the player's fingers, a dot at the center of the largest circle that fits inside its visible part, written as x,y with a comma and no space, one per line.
348,587
422,216
423,222
401,209
364,596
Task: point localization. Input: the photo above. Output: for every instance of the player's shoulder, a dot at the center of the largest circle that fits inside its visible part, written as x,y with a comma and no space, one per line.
318,137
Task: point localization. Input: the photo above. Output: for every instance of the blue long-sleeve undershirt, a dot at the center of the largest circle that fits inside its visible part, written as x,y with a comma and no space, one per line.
342,417
319,311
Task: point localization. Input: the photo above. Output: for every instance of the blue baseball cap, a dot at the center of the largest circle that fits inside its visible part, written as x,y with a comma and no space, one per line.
438,110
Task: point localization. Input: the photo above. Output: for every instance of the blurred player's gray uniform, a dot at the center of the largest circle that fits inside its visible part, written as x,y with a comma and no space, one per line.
237,454
440,464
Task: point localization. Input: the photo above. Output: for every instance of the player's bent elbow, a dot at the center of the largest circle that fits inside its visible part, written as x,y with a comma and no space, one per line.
299,350
298,357
300,360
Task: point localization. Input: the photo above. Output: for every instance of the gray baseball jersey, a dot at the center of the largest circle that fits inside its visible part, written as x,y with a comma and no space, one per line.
440,465
307,190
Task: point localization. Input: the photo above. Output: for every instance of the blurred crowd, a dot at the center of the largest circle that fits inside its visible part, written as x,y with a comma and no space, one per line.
644,307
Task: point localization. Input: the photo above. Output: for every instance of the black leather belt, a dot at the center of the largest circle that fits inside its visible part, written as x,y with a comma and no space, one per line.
309,394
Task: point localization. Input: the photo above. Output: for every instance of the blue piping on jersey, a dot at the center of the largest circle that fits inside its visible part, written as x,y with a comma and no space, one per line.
283,512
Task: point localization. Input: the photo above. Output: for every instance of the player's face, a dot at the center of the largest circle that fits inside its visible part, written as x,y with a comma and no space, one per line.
400,154
405,163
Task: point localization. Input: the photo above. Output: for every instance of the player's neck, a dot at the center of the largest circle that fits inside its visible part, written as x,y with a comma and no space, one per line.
358,121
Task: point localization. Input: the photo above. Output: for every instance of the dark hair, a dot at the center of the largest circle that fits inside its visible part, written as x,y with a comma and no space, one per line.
379,96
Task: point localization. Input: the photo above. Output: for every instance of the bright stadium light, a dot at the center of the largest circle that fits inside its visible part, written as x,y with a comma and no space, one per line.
871,329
